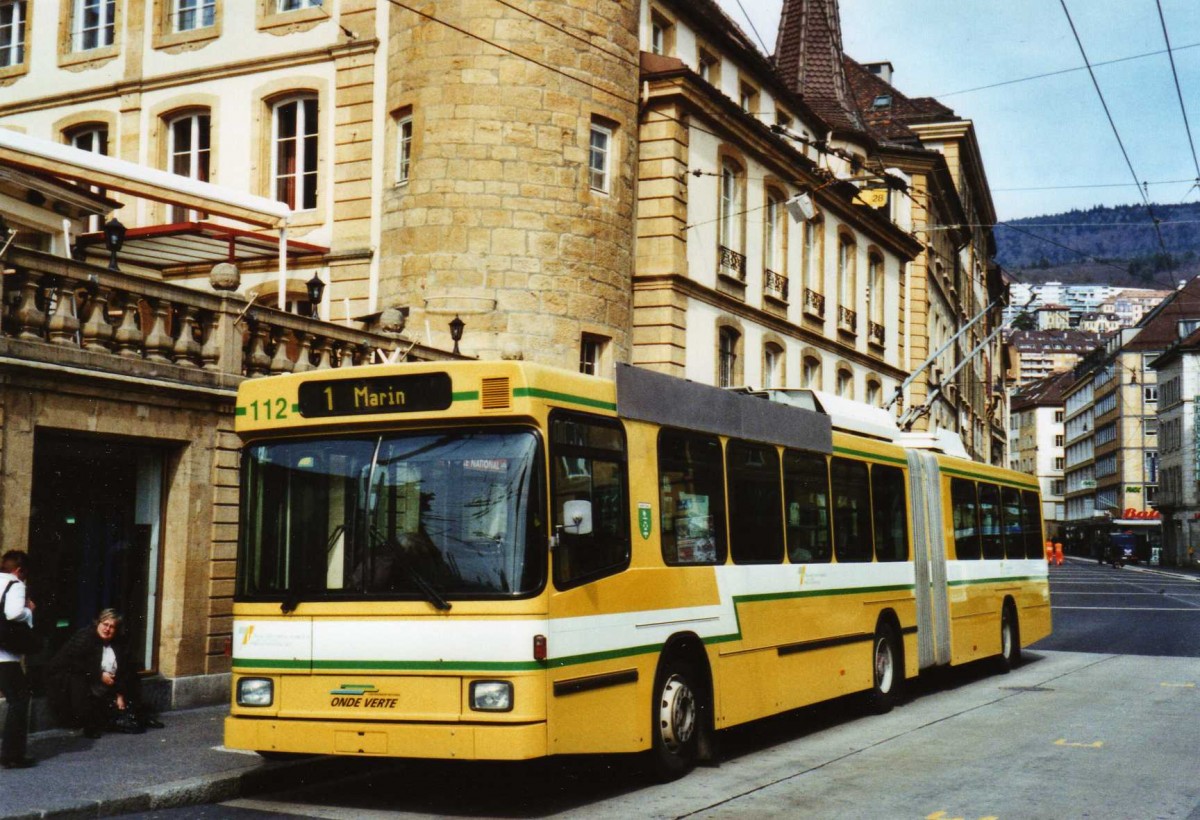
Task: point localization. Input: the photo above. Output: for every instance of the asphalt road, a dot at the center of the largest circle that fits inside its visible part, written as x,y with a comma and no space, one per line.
1129,611
1098,722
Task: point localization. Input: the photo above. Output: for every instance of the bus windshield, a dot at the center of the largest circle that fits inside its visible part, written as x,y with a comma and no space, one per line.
427,515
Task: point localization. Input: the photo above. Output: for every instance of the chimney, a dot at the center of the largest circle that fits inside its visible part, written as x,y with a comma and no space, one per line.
881,70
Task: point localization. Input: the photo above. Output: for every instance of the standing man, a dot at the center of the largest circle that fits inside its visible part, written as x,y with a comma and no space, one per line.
13,685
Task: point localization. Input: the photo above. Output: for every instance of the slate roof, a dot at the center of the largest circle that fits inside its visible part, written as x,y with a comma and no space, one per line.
1159,329
1067,341
1046,391
890,121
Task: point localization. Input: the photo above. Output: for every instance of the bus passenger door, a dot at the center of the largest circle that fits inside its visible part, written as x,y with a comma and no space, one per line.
929,560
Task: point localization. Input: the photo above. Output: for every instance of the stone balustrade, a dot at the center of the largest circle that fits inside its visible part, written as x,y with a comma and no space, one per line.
67,313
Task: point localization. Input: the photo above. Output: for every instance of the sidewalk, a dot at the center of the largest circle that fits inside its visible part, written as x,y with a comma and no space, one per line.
183,764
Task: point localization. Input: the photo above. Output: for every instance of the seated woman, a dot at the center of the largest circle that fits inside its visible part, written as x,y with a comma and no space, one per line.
94,684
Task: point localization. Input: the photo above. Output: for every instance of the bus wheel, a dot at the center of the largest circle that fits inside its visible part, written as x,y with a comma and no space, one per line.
885,662
1010,641
675,713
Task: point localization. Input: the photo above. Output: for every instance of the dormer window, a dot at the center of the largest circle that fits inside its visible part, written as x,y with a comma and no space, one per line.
882,101
748,98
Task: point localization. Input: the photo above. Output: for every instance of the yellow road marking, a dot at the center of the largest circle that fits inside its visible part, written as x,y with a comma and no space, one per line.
1179,685
1094,745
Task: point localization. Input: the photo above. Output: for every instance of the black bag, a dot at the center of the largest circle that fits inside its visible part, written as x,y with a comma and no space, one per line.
16,636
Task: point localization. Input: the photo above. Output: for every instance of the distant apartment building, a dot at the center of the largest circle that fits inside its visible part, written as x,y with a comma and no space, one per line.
1035,354
1101,323
1129,304
1037,442
1178,498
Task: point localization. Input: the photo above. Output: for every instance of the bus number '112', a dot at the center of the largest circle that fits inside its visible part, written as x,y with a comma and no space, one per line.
267,409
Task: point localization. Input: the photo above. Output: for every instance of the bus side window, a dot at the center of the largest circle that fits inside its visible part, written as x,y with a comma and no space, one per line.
851,511
691,480
1031,507
989,521
1014,538
806,494
590,502
755,503
890,509
965,511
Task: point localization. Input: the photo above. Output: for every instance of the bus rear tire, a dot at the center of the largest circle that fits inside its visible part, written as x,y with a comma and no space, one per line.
886,669
675,716
1010,641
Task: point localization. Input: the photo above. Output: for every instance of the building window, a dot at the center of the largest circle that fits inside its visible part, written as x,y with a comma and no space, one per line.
845,384
188,153
875,286
591,353
748,98
1058,416
814,255
599,173
12,33
730,215
710,67
775,236
874,393
727,354
294,158
1058,463
1058,441
189,15
810,374
296,5
94,24
772,366
404,134
846,272
662,34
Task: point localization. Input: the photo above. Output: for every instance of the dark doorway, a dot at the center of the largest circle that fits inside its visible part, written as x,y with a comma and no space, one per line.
94,536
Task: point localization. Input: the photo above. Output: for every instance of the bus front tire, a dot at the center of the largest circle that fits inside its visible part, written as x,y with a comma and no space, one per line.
675,720
886,669
1010,641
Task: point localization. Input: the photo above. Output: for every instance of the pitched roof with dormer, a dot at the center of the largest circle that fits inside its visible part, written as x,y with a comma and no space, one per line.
886,111
808,57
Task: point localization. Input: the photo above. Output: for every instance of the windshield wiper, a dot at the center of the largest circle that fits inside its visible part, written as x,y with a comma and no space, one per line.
418,580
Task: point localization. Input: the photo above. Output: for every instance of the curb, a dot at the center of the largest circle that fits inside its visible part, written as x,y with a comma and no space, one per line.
206,789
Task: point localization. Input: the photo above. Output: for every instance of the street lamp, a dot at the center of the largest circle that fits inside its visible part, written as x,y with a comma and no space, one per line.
316,289
114,238
456,332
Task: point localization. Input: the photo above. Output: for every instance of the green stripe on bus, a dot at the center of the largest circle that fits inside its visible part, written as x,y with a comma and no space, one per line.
1002,580
847,451
465,395
538,393
239,411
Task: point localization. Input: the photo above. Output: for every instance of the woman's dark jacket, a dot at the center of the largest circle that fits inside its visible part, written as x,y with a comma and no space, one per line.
80,658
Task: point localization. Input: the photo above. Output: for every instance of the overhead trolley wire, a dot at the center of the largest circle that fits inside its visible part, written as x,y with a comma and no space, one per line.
1096,84
1179,93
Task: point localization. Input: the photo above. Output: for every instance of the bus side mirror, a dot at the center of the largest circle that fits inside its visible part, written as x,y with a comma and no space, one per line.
577,517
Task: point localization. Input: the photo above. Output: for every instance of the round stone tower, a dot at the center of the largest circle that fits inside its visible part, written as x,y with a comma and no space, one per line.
499,219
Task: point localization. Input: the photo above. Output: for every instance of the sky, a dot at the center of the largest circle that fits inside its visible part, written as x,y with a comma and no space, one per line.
1052,133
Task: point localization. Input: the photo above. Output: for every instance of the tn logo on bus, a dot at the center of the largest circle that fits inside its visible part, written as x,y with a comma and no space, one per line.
361,696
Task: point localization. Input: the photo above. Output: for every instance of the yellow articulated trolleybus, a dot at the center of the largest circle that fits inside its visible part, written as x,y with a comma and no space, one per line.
499,560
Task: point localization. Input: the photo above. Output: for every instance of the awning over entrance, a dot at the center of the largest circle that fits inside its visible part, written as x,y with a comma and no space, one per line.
163,247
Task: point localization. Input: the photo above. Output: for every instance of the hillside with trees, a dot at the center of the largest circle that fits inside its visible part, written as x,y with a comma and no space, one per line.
1114,245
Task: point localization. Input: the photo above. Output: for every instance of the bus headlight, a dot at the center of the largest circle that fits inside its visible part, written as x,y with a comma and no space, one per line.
255,692
491,696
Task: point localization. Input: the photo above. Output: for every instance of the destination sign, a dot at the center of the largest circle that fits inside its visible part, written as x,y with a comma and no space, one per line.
415,393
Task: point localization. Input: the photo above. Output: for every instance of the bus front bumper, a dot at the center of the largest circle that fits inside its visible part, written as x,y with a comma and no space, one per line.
457,741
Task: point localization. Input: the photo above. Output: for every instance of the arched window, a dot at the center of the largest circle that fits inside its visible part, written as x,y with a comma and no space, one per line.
93,138
775,234
188,150
728,340
811,373
294,151
846,279
874,393
845,383
875,287
731,253
773,365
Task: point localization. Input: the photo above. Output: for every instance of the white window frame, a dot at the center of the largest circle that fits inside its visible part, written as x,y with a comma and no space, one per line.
284,6
774,258
600,158
875,288
404,134
727,352
190,15
730,207
104,31
195,155
301,149
13,14
591,353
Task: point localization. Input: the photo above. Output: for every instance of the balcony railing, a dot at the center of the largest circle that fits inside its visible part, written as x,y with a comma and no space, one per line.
84,316
733,264
814,303
847,320
775,284
875,333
